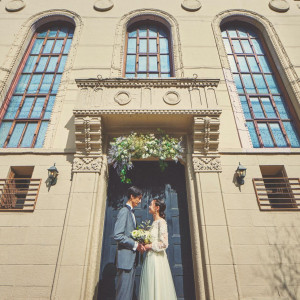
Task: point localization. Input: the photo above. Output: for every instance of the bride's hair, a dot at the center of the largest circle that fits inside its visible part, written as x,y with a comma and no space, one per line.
162,206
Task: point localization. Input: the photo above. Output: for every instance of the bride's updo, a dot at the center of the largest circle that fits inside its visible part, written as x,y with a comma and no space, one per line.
162,207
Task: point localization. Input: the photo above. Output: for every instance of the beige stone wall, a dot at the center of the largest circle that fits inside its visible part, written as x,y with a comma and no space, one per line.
261,243
30,241
55,251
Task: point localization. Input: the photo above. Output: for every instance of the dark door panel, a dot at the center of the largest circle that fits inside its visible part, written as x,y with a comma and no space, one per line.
170,185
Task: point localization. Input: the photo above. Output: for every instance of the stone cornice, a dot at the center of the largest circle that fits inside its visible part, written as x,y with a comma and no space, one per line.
98,112
138,82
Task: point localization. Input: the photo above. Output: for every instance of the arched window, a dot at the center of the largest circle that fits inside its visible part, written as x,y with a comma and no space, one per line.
26,111
266,106
148,51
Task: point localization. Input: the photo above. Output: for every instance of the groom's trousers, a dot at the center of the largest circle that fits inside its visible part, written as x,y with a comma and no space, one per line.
125,284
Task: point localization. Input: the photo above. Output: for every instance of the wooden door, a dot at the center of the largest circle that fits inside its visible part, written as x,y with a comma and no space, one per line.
170,185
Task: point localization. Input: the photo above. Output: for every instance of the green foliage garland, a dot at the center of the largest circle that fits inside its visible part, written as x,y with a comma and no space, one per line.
138,146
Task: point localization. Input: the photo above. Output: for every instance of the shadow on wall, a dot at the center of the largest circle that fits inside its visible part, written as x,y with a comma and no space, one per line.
107,283
70,126
283,274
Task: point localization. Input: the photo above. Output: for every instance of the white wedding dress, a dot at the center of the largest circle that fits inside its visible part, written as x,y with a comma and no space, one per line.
156,279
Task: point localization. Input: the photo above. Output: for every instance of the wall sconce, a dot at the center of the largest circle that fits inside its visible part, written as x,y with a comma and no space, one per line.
52,175
241,173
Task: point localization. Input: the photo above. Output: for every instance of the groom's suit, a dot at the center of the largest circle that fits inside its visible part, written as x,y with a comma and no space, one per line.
126,253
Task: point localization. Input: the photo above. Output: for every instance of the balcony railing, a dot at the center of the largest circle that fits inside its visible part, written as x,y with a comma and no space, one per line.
19,194
277,193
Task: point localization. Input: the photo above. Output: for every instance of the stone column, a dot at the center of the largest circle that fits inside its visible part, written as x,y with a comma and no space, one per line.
80,244
195,228
219,278
77,271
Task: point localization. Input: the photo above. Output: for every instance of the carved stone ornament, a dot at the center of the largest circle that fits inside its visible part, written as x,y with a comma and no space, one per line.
87,164
206,135
15,5
122,98
172,98
191,5
279,5
98,112
207,164
103,5
183,83
88,134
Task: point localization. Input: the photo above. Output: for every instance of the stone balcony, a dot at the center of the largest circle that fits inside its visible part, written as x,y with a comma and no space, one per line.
119,94
114,106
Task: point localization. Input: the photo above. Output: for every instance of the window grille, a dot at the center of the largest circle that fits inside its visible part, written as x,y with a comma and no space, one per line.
19,191
261,92
148,51
26,111
277,193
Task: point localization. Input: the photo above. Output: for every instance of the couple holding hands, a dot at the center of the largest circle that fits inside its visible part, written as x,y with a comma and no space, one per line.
156,281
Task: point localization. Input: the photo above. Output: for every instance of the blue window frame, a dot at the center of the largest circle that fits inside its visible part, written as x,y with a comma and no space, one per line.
26,111
148,51
261,92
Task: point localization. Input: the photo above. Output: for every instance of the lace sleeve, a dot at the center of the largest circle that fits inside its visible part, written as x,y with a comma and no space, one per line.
162,242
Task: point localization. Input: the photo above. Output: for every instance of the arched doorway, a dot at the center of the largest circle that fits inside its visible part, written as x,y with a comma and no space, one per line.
169,184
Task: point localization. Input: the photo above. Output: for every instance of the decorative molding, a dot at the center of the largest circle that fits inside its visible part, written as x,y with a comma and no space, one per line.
88,133
238,112
87,164
172,98
140,14
206,134
15,5
207,164
279,5
99,112
191,5
206,143
122,98
103,5
139,82
281,58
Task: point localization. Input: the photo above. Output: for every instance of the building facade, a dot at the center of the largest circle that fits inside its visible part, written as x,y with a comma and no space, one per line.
222,75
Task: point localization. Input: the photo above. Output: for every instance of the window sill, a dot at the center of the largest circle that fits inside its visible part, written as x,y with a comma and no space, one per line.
260,150
36,151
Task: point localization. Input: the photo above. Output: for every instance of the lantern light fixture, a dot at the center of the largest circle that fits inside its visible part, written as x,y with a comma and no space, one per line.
52,175
241,173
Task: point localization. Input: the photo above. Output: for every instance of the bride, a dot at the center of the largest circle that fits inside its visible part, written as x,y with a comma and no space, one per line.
156,279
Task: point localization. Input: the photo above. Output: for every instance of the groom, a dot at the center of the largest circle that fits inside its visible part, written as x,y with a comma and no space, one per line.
127,247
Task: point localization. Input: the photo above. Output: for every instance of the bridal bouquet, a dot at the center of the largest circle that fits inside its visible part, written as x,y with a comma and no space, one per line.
142,233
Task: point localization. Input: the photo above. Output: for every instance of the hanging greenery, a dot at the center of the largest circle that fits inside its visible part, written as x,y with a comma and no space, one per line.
138,146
